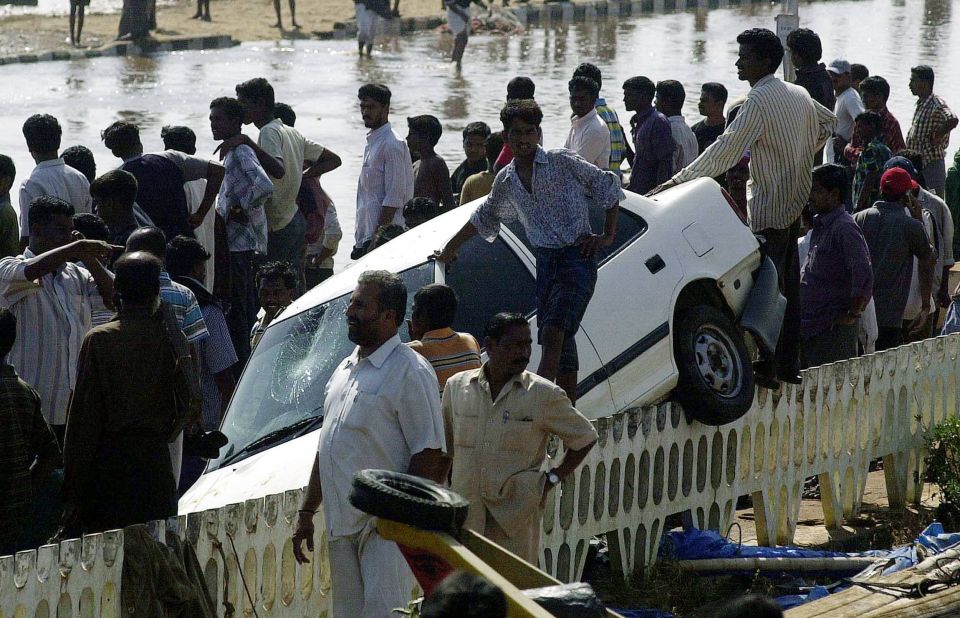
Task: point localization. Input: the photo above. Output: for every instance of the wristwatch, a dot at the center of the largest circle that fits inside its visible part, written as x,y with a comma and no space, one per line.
553,478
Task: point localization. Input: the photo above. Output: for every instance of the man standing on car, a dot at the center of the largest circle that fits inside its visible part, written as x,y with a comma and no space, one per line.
382,411
783,128
553,206
500,418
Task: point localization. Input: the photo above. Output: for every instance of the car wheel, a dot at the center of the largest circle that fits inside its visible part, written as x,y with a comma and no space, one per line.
716,376
409,500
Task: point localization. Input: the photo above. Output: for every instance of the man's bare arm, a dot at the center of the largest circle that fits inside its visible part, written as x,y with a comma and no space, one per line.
430,464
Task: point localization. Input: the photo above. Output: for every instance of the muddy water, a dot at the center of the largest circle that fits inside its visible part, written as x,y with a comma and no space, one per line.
320,79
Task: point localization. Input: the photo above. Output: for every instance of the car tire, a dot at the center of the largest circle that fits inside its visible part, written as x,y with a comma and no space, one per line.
716,383
409,500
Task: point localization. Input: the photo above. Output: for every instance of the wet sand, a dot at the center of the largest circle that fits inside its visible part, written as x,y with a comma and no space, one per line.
244,20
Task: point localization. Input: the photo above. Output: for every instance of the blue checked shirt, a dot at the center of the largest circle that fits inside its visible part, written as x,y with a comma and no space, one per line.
556,213
185,307
618,140
246,186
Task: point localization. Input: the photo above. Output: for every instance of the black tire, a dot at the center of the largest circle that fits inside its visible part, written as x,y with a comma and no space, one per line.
409,500
716,384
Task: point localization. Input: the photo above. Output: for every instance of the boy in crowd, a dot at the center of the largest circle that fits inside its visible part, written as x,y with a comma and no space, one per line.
419,210
276,285
868,126
589,136
114,194
713,97
474,138
319,266
478,185
9,230
431,178
618,140
432,335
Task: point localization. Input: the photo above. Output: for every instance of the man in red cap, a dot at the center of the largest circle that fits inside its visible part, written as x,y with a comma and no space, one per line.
893,229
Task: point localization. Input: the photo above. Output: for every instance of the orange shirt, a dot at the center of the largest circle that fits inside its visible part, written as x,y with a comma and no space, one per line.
449,352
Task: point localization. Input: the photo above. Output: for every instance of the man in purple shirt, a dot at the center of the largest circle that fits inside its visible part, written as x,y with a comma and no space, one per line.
653,143
836,281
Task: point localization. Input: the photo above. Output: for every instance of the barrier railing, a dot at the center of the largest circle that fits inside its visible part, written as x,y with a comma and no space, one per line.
649,463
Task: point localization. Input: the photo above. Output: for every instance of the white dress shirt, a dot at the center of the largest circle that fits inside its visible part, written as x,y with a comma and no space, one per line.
846,109
687,147
57,179
379,411
782,127
589,137
385,180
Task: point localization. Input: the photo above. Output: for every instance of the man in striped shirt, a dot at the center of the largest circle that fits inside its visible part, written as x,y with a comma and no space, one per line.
783,128
450,352
56,301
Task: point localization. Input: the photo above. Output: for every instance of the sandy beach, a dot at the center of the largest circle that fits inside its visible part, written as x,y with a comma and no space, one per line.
244,20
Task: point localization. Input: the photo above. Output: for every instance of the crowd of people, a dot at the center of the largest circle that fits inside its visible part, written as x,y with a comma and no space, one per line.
132,300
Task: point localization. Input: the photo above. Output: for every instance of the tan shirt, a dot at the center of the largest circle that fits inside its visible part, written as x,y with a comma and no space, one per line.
498,447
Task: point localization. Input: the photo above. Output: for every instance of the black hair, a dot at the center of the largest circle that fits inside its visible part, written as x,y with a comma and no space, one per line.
81,159
586,69
750,606
520,88
520,109
7,168
765,44
421,208
923,72
499,324
875,84
492,147
671,91
91,226
278,271
230,106
428,126
871,118
392,294
716,90
436,304
179,138
464,595
476,128
149,239
8,331
642,85
115,184
42,132
378,92
44,208
137,277
831,177
914,156
285,113
385,234
256,89
585,84
805,43
859,72
120,136
183,253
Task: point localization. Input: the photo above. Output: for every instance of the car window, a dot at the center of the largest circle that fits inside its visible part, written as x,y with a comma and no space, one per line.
286,377
629,227
489,278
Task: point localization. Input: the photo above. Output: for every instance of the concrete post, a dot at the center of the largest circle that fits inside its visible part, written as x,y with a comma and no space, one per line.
787,22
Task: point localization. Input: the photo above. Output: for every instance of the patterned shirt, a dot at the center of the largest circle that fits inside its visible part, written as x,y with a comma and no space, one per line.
448,351
871,160
245,187
653,145
185,307
53,315
24,436
216,355
892,135
618,140
782,127
931,115
556,213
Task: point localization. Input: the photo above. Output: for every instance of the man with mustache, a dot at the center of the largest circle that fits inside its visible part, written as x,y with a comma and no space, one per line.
381,411
498,420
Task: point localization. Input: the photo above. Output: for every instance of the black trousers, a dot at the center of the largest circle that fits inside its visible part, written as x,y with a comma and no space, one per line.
781,248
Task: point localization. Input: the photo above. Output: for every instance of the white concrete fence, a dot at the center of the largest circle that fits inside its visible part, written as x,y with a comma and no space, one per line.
649,463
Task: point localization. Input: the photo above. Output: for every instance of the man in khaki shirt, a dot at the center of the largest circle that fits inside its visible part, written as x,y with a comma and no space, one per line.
498,419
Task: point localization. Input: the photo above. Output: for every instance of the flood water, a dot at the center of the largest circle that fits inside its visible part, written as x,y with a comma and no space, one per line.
320,78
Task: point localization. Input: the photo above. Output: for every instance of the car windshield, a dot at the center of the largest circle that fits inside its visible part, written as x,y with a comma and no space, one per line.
282,387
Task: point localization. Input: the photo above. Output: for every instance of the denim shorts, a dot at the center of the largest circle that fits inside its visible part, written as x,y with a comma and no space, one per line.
565,284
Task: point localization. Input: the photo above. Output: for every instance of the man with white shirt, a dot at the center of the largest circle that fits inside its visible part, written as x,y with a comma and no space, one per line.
670,98
846,109
382,411
386,180
589,136
51,176
783,128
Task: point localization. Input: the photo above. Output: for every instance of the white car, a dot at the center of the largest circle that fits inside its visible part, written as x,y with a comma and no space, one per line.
663,318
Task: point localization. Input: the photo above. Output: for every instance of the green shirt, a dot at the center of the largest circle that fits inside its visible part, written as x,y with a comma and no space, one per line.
9,230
